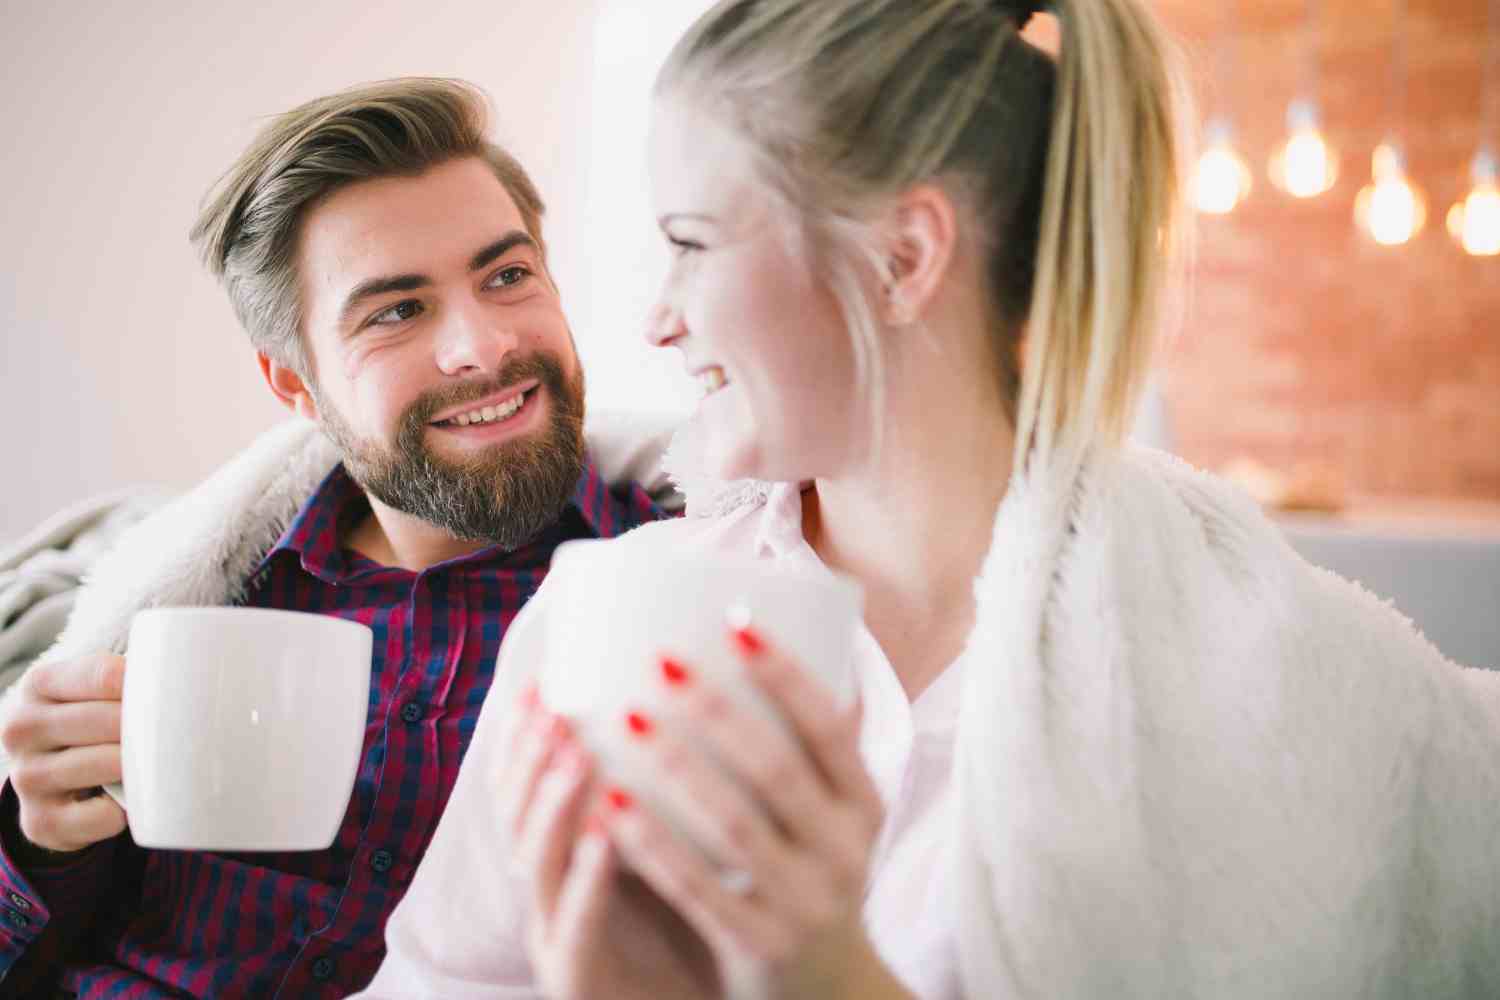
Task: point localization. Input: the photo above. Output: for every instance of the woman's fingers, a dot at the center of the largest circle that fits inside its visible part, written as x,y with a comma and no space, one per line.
537,736
686,880
551,826
830,734
584,899
717,811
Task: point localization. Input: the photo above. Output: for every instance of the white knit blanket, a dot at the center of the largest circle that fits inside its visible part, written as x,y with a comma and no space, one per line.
1199,766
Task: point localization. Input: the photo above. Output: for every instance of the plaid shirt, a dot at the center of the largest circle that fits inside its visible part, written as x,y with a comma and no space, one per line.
128,922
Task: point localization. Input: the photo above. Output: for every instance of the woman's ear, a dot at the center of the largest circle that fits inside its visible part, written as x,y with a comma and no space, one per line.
922,233
288,386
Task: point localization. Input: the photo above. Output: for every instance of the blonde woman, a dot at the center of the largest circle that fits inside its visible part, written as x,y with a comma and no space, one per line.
1114,738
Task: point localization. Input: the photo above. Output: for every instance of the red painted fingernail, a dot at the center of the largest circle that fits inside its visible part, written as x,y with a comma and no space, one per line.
619,799
675,673
748,641
638,723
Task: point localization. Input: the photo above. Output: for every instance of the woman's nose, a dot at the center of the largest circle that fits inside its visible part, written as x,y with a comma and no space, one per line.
663,325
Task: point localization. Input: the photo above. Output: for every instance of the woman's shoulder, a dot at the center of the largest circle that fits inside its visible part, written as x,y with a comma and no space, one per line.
729,532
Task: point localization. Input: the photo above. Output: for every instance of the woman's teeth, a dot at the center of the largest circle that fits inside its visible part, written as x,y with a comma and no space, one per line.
489,414
712,380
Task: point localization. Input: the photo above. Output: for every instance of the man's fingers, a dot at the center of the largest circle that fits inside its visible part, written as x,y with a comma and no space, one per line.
61,774
100,677
74,825
37,727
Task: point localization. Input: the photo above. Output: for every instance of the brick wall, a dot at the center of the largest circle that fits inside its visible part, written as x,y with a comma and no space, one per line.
1304,341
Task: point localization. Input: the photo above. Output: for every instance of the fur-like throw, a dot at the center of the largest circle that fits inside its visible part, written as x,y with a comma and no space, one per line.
199,549
1191,764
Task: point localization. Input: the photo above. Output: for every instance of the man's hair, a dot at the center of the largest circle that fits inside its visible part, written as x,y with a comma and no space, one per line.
248,228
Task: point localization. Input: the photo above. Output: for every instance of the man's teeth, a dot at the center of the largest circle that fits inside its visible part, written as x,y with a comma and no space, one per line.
712,379
489,414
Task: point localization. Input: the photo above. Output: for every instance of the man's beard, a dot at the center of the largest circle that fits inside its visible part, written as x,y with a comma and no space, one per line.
506,495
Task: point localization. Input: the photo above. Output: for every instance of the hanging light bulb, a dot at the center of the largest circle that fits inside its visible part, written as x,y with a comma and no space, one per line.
1390,208
1304,165
1222,179
1474,223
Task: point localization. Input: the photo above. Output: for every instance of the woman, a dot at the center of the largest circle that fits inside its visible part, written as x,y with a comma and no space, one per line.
1117,739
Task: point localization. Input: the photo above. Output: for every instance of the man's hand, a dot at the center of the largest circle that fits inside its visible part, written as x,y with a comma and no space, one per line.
62,733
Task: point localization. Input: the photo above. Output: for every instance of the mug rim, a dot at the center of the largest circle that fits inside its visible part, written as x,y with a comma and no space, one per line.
297,619
622,549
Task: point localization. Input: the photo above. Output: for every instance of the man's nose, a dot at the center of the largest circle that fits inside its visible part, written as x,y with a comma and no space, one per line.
474,338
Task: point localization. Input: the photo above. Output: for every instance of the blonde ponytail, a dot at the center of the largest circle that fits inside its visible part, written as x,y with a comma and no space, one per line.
1109,232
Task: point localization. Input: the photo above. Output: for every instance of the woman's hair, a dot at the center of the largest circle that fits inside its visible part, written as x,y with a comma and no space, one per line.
248,228
1064,172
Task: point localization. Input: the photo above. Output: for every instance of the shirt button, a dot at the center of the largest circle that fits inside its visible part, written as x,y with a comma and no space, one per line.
411,712
20,901
381,860
322,969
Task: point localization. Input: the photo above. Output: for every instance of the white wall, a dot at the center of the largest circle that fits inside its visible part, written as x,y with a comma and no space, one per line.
122,362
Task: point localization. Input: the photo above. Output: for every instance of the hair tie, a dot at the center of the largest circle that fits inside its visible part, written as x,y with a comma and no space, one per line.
1022,11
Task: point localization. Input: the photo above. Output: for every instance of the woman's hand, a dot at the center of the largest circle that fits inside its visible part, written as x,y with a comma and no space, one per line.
593,931
795,820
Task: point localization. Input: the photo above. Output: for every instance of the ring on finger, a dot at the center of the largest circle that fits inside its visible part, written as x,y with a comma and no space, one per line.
737,881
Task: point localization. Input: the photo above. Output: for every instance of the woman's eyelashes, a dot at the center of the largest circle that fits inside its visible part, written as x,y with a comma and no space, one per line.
681,246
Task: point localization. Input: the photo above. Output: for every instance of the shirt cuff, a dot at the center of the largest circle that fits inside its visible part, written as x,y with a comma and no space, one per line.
31,899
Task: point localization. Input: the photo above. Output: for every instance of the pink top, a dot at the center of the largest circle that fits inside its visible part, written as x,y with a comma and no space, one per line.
460,931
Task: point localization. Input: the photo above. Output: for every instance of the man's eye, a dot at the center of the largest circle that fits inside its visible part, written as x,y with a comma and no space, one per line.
510,276
402,311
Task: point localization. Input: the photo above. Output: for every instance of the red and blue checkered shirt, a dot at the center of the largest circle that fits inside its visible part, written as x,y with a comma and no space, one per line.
125,922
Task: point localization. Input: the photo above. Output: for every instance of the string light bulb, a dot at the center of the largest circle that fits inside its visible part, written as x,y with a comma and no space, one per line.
1391,209
1474,222
1305,164
1222,179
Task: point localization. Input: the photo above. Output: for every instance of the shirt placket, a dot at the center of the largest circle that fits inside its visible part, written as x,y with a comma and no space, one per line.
405,801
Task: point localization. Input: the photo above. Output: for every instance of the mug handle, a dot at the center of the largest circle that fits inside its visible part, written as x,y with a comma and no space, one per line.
116,791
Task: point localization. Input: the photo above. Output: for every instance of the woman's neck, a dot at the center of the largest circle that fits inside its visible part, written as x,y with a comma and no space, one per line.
913,527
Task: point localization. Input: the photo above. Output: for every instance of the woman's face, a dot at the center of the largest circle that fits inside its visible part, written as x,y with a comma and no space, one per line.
765,338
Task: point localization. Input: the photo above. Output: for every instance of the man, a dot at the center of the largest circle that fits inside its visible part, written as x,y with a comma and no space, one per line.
388,264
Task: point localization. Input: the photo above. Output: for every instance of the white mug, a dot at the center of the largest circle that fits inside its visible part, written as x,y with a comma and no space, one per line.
241,728
620,606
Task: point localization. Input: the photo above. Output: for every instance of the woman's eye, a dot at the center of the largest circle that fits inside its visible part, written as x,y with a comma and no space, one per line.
508,277
402,311
681,247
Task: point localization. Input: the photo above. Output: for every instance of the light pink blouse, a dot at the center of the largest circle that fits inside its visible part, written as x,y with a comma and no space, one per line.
460,930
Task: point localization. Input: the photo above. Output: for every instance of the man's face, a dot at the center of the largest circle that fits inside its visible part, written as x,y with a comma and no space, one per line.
443,365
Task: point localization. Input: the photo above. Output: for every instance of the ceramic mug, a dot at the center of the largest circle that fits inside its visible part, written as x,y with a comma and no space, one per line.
617,608
241,728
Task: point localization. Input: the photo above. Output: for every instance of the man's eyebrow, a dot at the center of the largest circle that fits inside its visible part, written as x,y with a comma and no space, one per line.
411,282
499,248
381,286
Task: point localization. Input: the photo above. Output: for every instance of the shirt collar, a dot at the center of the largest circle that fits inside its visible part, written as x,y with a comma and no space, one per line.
780,530
338,502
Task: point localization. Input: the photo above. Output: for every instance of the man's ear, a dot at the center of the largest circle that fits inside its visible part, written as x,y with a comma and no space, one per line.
288,386
922,233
